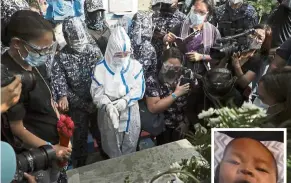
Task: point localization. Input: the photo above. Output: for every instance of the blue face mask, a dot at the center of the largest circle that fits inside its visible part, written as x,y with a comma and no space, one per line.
196,19
35,60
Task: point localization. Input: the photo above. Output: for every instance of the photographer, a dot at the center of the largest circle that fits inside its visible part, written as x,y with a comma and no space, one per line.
34,119
234,17
167,95
247,65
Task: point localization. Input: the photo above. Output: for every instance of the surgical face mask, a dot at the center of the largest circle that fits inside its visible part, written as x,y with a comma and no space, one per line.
254,44
120,63
196,19
34,59
235,1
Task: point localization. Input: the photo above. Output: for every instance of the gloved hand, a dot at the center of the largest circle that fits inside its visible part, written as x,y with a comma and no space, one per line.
113,114
183,129
120,104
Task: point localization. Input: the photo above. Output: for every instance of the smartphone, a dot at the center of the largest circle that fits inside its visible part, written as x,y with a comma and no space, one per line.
184,81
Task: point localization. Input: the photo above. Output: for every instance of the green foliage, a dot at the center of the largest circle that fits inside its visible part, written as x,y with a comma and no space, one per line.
263,7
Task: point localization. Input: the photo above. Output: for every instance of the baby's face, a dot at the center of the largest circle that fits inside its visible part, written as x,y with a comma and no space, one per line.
247,161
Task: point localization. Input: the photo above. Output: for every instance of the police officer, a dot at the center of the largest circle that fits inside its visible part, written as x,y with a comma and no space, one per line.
234,17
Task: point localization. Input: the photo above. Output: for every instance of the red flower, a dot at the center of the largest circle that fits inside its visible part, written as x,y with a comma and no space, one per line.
63,117
68,120
60,124
70,125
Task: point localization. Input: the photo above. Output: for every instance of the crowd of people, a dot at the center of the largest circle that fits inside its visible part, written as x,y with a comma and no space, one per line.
104,79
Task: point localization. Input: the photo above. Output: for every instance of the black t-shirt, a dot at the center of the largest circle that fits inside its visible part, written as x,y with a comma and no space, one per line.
285,50
254,64
34,107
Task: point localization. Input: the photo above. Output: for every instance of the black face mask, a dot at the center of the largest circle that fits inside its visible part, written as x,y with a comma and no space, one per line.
168,76
96,20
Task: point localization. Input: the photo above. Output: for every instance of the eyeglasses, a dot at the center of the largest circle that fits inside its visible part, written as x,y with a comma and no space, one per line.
200,12
122,54
42,51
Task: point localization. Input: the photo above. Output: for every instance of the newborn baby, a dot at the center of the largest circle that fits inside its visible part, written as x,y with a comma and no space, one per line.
246,160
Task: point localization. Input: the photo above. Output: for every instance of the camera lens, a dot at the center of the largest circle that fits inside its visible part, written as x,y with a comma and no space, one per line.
35,159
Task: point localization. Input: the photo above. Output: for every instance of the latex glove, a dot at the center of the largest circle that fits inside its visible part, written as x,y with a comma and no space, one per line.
113,114
120,104
102,100
183,129
194,56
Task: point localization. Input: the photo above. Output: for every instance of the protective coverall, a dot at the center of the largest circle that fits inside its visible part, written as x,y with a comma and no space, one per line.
118,84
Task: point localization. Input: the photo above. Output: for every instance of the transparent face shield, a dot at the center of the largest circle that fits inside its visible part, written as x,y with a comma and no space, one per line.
96,19
75,32
145,29
41,51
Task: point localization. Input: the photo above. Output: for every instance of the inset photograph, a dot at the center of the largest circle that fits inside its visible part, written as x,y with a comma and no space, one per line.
249,155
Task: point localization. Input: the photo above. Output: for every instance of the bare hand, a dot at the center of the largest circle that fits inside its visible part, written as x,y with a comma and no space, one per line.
194,56
64,104
10,94
29,178
236,60
55,107
63,153
182,90
170,37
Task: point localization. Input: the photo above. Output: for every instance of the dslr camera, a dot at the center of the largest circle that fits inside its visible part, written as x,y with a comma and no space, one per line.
34,160
227,46
28,79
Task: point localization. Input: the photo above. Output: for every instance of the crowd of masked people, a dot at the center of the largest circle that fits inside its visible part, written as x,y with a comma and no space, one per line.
156,77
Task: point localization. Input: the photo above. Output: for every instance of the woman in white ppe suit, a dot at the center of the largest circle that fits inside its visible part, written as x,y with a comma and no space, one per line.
118,83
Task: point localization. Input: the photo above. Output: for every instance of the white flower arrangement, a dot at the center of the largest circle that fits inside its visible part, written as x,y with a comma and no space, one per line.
230,117
198,169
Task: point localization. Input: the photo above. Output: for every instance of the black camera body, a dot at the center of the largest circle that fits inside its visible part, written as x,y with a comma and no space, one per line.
28,79
34,160
227,46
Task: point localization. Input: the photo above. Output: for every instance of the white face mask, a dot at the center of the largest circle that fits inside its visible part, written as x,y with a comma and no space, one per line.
196,19
235,1
120,63
254,44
